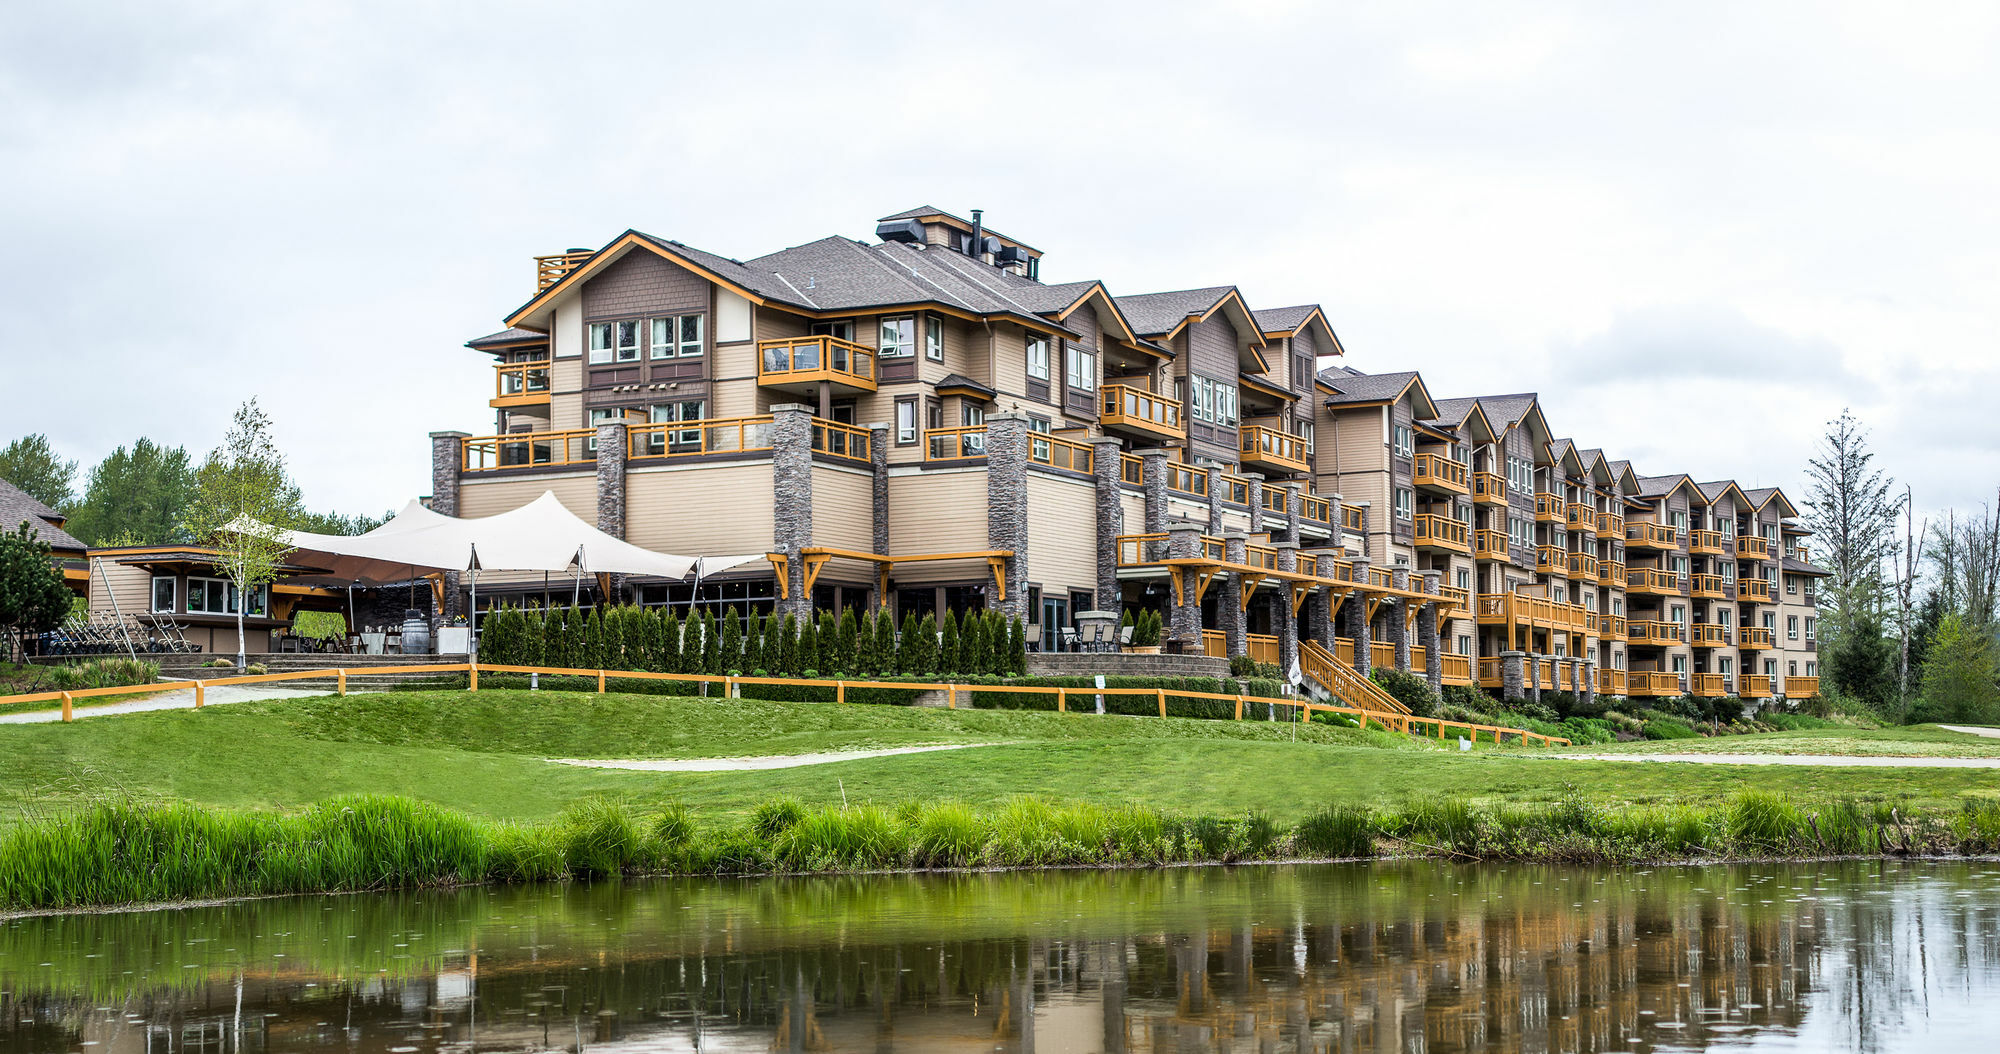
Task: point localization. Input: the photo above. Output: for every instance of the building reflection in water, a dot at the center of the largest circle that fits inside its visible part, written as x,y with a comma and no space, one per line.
1383,957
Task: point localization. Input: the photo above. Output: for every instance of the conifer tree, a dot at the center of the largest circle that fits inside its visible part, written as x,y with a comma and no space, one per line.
948,643
730,655
885,642
847,648
670,643
906,646
785,663
555,639
1017,647
753,644
531,637
711,644
808,657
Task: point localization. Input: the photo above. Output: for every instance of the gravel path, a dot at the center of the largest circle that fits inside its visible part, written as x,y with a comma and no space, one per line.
1973,730
751,764
1828,760
180,699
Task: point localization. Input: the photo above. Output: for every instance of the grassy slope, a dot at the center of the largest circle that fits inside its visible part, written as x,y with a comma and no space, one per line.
482,754
1912,741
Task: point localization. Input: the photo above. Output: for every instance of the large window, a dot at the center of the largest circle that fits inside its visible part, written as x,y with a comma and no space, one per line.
1406,441
217,596
689,410
1520,475
1791,627
614,342
1082,366
934,338
899,338
1213,402
1038,359
165,593
677,336
1406,503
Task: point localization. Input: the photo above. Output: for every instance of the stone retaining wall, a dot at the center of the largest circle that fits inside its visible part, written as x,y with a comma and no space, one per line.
1121,664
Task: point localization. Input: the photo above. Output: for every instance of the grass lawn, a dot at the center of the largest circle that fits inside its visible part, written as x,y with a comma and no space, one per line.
1910,741
483,753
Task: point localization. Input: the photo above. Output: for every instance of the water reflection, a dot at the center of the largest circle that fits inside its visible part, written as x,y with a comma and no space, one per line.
1384,957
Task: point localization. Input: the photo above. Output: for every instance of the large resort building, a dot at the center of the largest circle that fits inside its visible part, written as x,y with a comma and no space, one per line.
923,422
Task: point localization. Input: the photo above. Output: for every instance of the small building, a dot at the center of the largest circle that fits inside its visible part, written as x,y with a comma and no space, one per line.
69,555
176,593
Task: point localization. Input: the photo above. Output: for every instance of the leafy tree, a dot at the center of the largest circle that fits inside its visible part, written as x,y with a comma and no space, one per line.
949,652
243,504
136,496
1852,513
33,598
1959,676
31,464
1965,562
335,523
1862,663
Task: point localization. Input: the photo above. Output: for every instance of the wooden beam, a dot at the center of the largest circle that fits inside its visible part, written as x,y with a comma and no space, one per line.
1203,579
999,566
814,562
1175,574
780,563
1299,594
1249,587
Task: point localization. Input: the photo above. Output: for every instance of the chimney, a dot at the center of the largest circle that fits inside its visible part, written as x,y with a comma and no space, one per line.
978,234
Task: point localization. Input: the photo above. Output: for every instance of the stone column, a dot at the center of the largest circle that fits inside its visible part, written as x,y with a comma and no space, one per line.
1589,694
1535,676
1235,548
447,459
1215,501
1427,634
1105,461
1358,626
1285,621
1513,675
1007,504
1155,463
1184,614
1256,495
612,449
1399,619
878,463
1295,509
791,501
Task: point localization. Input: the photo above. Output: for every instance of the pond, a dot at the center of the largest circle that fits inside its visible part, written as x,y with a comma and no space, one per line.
1393,956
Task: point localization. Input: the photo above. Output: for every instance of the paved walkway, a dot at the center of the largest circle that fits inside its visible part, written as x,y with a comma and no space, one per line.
1829,760
1973,730
751,764
179,699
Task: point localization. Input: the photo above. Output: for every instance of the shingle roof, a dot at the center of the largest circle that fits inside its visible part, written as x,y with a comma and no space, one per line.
1800,567
1559,447
926,210
1354,386
1453,411
1714,490
1152,314
1507,409
508,336
1282,319
1759,496
17,505
960,380
1655,486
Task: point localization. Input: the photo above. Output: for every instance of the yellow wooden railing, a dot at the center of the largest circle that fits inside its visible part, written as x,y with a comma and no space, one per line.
1261,648
1442,532
1548,508
1614,627
576,446
520,383
1582,565
1651,536
1129,407
1132,469
1382,653
715,436
1652,580
1057,452
816,358
1582,518
1754,686
1796,687
841,440
1652,682
1338,676
1753,547
550,269
1705,543
1233,489
1273,447
955,444
1489,544
1490,673
1276,500
1611,573
1652,631
1708,635
1191,480
1510,608
1756,638
1611,682
1440,472
1457,669
1611,523
1317,509
1352,518
1489,488
1551,560
1708,685
1706,585
1753,590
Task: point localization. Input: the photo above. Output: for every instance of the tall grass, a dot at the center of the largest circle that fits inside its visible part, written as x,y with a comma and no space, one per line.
126,852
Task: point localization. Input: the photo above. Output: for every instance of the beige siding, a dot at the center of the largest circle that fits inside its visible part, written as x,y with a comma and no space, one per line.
1010,361
1234,522
843,508
776,325
1134,505
1062,532
577,492
937,512
132,586
700,510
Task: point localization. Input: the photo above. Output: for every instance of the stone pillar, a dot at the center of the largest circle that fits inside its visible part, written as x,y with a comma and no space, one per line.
1105,461
1285,621
1358,626
1256,495
1229,605
1513,675
1427,634
878,462
1007,504
1367,522
1215,501
1184,612
1589,693
1155,462
447,459
791,501
1399,619
1535,676
611,453
1295,509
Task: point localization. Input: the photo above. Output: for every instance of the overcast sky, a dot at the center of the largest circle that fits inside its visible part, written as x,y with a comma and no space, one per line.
1698,230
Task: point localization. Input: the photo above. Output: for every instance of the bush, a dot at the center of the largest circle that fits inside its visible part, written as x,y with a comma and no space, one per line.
1408,689
1668,728
102,673
599,839
1336,831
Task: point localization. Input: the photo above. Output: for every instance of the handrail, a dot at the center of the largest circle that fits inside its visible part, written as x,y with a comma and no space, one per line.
1183,478
1270,444
1548,507
520,379
1132,469
1801,686
1753,590
1582,565
1124,404
955,444
817,357
1235,490
1352,517
1489,487
1436,470
1582,518
1317,509
1706,585
1057,452
1651,580
1489,544
1703,541
722,435
1343,681
1651,535
1753,547
1610,523
575,446
551,269
841,440
1440,530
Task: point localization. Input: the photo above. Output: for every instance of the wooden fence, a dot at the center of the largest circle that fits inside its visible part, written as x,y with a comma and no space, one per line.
730,684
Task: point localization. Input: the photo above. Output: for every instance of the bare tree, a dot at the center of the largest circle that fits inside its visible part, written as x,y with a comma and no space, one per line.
1965,558
1906,586
1852,514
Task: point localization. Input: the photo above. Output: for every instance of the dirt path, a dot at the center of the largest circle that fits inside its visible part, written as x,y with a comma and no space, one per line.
1828,760
751,764
1973,730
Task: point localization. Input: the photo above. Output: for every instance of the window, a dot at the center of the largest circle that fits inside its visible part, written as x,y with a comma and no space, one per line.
1791,627
1617,606
1771,621
1812,669
933,338
1725,666
1406,503
600,343
600,416
677,336
165,593
1405,441
1677,614
1680,664
1037,424
217,596
1792,584
691,410
972,415
1792,667
1727,569
1680,566
1213,402
614,341
1464,645
1677,520
906,421
1520,475
1464,578
1306,433
1722,617
1770,667
1082,366
899,338
1038,359
1809,627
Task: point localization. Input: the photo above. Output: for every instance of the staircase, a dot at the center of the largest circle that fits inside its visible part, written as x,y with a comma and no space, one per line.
1345,682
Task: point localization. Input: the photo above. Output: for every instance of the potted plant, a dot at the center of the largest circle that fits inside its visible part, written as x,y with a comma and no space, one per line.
1145,633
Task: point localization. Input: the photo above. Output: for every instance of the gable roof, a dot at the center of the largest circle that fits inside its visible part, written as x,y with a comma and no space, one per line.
1762,496
1720,489
1465,414
18,506
508,338
1288,321
1354,388
928,212
1652,487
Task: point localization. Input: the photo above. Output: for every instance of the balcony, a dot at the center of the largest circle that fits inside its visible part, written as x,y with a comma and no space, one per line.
1611,573
1187,480
946,445
1140,412
551,269
1315,509
1652,633
1751,547
1754,686
801,363
1583,566
520,384
1352,517
672,439
1651,536
1489,545
576,446
1548,508
1551,560
1457,669
1652,683
1611,524
1440,474
955,444
1270,450
1801,687
1708,685
1708,587
1705,543
1610,682
1647,580
1582,518
1442,533
1614,627
1756,638
1753,591
1489,488
1507,609
1708,635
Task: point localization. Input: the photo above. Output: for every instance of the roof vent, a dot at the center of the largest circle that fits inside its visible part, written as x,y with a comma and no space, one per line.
901,231
1004,255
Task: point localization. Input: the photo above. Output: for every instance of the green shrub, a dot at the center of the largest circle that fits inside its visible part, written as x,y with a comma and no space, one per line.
1408,689
600,839
1668,728
948,834
102,673
773,818
1762,821
1337,831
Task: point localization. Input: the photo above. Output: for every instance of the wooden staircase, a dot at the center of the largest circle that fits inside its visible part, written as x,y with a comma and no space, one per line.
1345,682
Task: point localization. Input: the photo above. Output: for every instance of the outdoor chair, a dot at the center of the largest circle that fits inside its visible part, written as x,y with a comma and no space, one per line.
1066,640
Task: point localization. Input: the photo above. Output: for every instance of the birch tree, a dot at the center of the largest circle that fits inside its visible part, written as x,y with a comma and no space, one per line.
243,503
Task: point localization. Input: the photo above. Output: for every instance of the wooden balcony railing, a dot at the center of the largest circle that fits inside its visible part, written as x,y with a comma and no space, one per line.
1437,472
1652,682
1191,480
1653,581
1708,635
1754,686
1651,536
577,446
955,444
1057,452
1132,469
520,383
1611,524
1707,586
1548,508
1705,543
1611,573
1801,687
1754,591
1490,673
1545,672
550,269
1457,669
1551,560
1540,612
1352,517
1316,509
1489,544
1756,638
1276,500
1234,490
1441,532
1271,448
1382,654
1610,682
794,360
1135,409
1420,659
1582,518
669,439
1752,547
1261,647
1489,488
1583,566
1614,627
1214,642
1708,685
1263,556
1652,632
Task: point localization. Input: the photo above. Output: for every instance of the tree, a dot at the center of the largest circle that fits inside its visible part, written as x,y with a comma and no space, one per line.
1862,663
1853,519
31,464
243,505
139,495
949,654
1959,676
1906,585
33,598
335,523
731,651
1965,563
